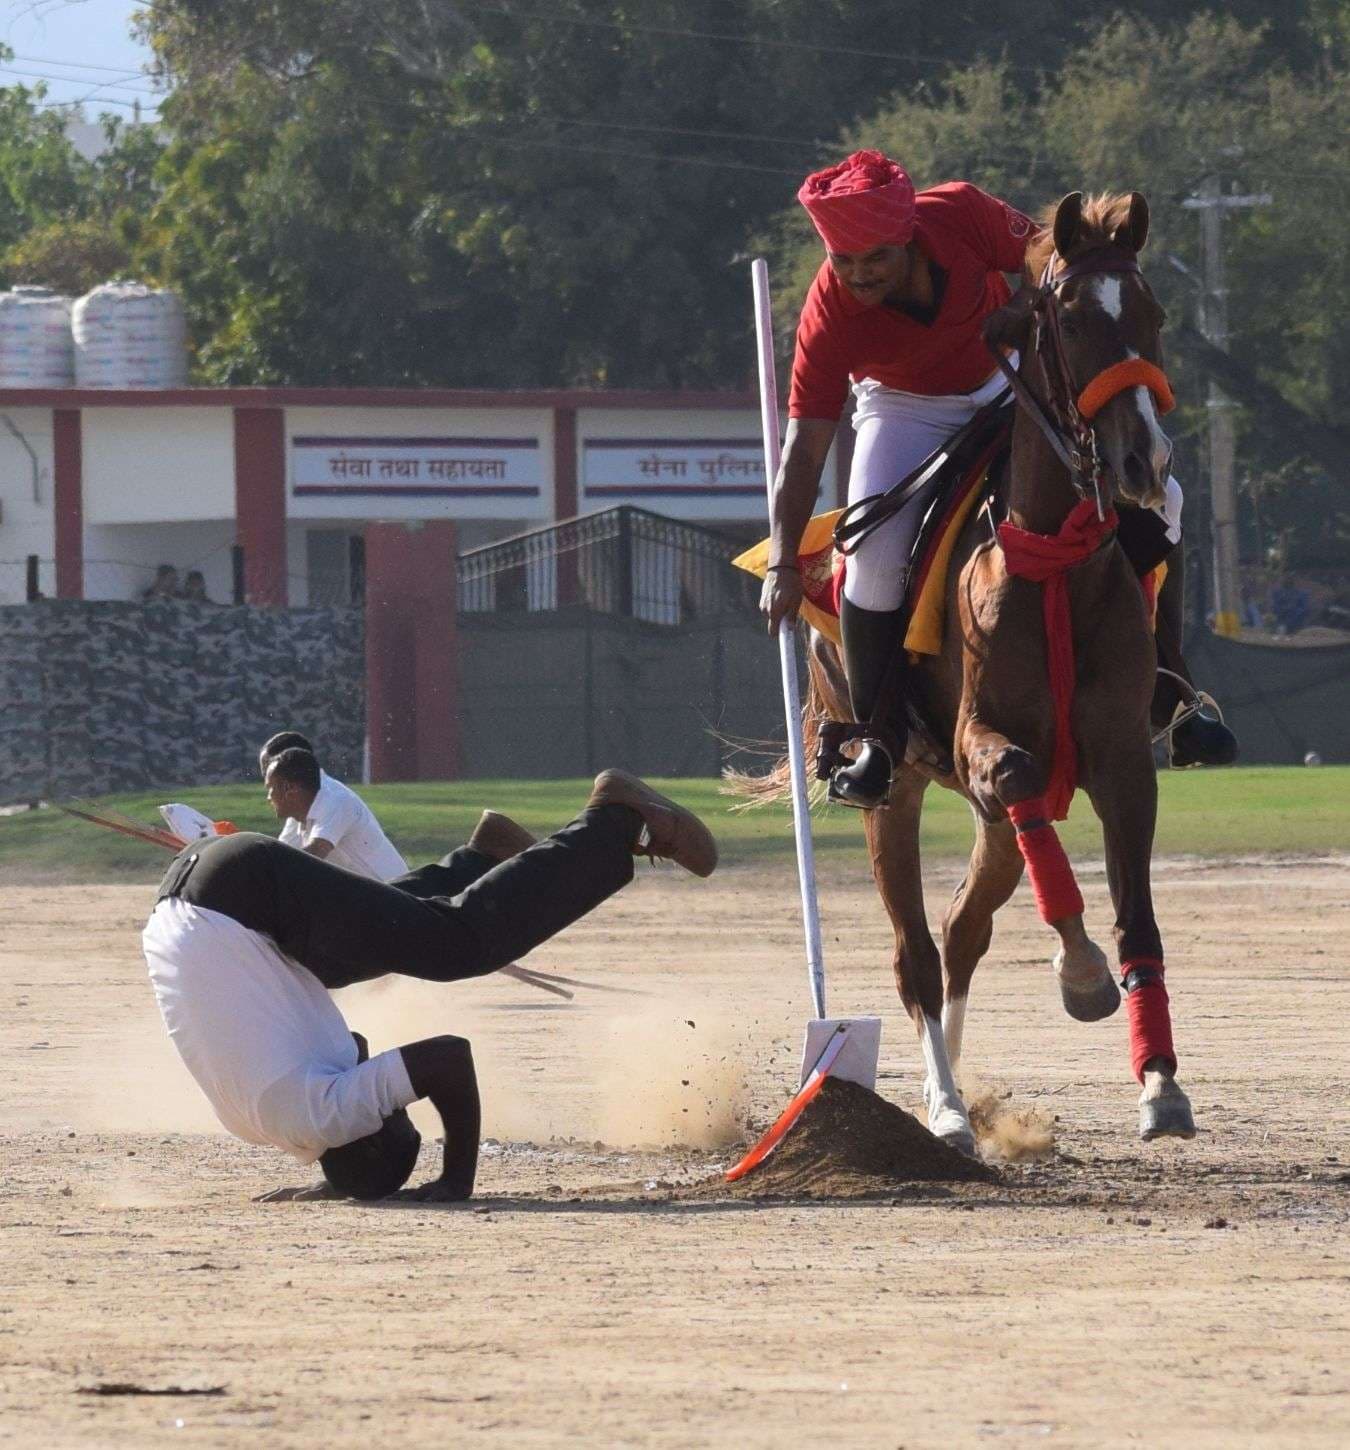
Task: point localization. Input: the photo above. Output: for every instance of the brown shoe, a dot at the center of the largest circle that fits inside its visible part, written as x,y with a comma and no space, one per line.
499,836
672,832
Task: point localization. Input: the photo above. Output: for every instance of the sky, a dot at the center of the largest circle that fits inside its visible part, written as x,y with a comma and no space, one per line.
82,49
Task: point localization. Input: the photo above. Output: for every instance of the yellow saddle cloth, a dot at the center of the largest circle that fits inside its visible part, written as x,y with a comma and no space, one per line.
822,569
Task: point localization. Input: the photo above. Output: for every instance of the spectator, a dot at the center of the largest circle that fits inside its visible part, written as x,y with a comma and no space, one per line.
1291,605
194,587
321,815
1337,611
1252,615
165,585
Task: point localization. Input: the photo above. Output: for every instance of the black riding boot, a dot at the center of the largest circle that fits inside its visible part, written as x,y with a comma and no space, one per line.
873,660
1203,739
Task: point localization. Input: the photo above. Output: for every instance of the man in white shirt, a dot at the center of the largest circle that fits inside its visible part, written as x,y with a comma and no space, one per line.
321,815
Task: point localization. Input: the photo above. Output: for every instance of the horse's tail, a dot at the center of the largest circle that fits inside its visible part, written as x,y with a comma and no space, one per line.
776,785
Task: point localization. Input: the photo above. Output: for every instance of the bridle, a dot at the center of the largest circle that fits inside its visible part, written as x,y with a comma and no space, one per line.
1066,414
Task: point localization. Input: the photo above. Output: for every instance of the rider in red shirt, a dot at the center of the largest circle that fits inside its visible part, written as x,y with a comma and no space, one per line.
895,313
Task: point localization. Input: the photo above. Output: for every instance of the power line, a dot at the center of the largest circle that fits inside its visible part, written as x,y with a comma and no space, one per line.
120,70
102,101
632,155
817,145
78,80
406,110
682,33
767,42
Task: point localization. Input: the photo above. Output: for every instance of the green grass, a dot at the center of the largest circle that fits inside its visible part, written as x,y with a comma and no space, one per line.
1204,813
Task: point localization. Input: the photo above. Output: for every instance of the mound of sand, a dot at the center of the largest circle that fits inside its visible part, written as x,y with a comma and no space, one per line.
849,1143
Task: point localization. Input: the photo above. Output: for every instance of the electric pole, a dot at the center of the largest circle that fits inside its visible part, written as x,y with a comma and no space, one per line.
1212,204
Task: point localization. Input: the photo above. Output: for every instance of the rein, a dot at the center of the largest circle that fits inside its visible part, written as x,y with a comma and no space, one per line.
1066,415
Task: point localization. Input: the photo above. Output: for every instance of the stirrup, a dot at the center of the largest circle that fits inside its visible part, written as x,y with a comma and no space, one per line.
878,761
1187,709
1216,745
832,735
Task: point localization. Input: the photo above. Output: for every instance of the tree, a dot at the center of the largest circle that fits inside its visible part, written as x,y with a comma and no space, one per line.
511,193
1141,108
42,176
62,218
72,256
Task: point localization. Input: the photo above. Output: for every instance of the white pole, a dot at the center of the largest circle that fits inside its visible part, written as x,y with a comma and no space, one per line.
787,653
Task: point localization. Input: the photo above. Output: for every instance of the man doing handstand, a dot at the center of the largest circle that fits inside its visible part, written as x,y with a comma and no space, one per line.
248,937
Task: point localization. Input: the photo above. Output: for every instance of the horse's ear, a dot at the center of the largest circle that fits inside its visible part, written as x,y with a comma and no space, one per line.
1068,218
1133,231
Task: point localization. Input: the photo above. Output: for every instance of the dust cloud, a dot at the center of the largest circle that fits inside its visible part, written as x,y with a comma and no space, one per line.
1013,1135
138,1084
650,1075
667,1080
656,1077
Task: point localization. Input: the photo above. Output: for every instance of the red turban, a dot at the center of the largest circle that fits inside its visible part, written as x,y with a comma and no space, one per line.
866,201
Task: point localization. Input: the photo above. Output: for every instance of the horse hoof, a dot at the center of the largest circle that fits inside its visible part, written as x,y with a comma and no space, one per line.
1165,1113
964,1143
1094,1004
1086,986
953,1129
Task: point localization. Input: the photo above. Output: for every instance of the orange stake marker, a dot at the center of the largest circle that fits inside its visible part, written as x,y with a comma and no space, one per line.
792,1112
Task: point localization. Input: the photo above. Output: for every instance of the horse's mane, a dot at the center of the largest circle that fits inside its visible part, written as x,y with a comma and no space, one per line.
1103,213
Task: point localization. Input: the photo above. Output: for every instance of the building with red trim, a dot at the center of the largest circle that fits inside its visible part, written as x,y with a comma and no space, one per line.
275,494
102,486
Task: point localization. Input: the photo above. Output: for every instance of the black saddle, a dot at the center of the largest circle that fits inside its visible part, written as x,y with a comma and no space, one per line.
935,486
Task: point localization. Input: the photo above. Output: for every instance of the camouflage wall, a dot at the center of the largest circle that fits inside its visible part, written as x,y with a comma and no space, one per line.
99,696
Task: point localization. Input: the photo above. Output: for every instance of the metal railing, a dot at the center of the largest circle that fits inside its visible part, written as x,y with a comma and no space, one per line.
623,561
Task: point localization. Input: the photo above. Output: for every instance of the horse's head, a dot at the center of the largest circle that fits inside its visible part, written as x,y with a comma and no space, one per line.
1092,329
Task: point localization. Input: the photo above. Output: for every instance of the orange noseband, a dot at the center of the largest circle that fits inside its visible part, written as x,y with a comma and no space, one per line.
1134,372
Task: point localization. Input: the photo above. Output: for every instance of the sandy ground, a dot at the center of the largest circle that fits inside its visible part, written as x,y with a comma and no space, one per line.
1113,1293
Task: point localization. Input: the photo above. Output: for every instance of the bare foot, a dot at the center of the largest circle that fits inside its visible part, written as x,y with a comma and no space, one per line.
437,1191
308,1194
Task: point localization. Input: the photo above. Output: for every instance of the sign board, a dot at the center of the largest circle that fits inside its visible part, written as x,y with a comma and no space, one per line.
370,467
646,470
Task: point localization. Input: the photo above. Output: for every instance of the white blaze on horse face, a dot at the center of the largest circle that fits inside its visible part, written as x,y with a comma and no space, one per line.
1107,292
1159,444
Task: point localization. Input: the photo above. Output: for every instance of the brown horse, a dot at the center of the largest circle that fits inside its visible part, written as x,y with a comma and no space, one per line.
1092,319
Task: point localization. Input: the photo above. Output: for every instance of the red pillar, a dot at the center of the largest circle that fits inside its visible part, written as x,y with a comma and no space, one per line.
565,496
260,502
412,654
68,502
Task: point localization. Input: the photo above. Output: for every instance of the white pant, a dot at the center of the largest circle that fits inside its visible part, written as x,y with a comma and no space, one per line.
262,1037
895,432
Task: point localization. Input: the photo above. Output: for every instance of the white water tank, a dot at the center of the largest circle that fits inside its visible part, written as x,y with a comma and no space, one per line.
128,335
36,347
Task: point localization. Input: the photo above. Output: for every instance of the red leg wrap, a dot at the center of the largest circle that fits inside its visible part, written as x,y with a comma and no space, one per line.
1052,881
1150,1018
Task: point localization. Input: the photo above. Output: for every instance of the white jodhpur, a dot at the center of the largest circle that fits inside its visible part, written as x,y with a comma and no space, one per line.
894,433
